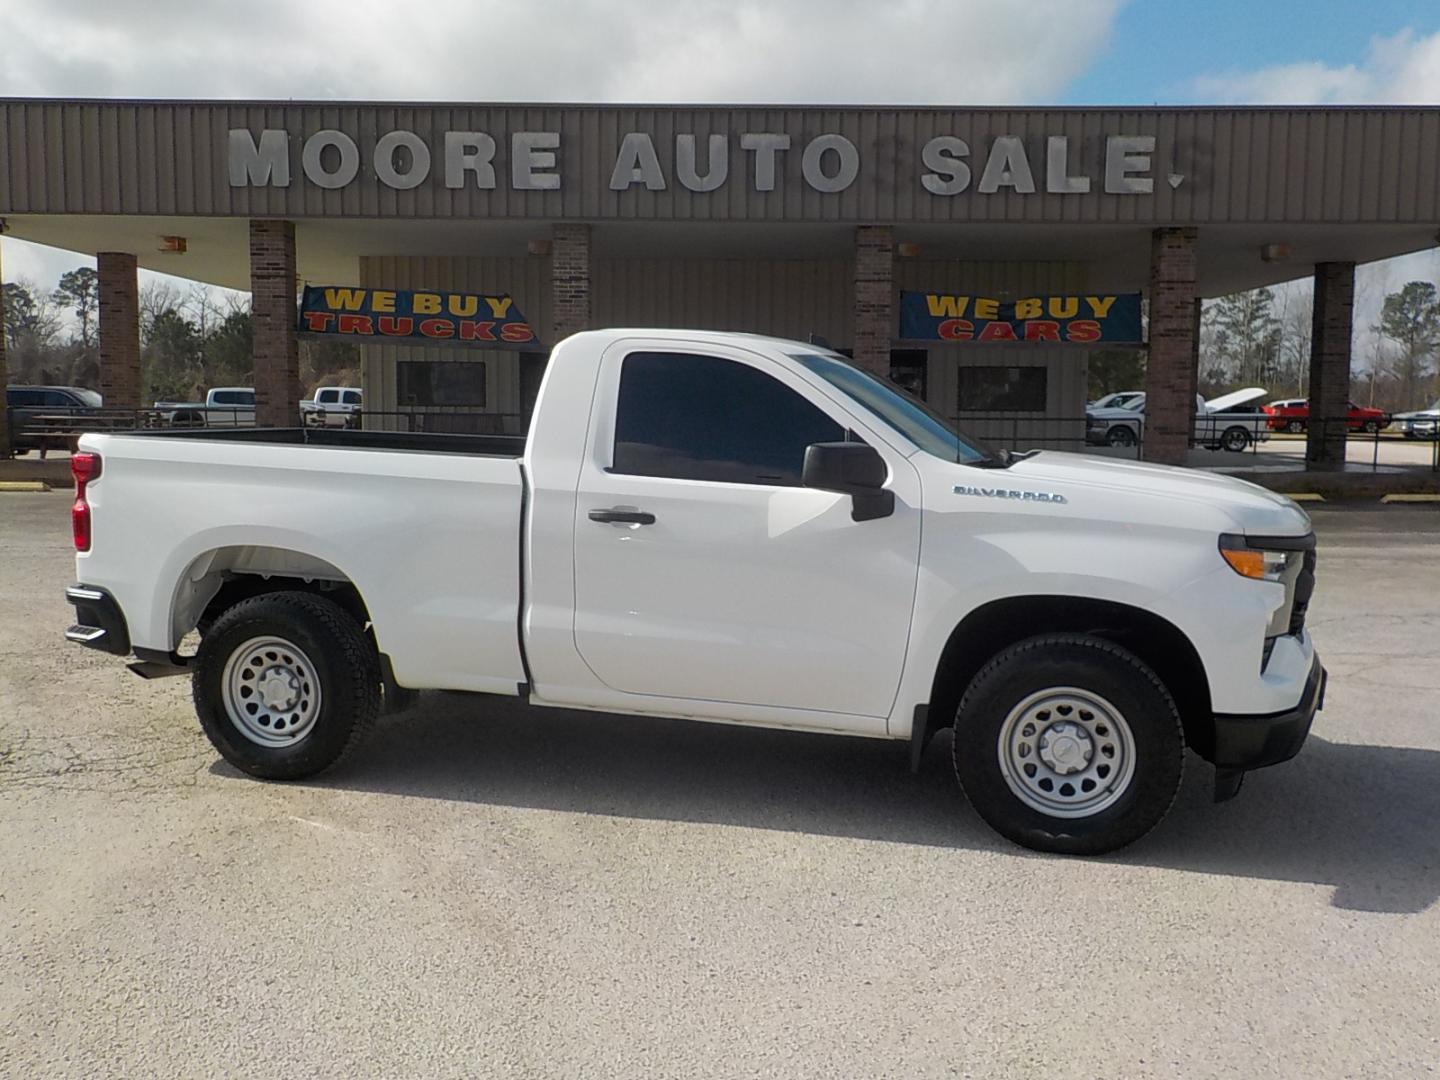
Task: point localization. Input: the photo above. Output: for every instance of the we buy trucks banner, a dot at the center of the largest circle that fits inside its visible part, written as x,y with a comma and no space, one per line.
480,319
1078,320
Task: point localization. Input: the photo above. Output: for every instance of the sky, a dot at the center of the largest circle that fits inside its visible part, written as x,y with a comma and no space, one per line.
951,52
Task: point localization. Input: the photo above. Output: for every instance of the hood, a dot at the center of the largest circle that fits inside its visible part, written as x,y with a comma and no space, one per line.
1253,509
1235,397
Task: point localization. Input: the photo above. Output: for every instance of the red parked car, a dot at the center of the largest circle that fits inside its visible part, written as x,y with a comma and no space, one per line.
1292,415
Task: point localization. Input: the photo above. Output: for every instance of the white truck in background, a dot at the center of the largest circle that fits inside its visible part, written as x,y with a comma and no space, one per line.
1220,424
224,406
332,406
719,527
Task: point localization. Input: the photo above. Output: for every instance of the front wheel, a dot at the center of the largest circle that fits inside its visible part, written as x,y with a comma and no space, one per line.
1069,743
1120,435
1235,439
1372,427
285,685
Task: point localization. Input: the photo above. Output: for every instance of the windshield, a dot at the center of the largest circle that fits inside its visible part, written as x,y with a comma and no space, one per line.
912,418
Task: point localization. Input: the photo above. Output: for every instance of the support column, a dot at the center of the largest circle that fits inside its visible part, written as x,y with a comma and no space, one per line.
1195,349
1331,330
119,329
874,297
569,280
273,312
1169,369
4,371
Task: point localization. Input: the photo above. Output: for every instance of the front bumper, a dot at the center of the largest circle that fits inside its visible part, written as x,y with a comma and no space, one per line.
99,622
1252,742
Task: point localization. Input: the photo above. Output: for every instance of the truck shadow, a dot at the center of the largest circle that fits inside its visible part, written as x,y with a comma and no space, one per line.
1362,819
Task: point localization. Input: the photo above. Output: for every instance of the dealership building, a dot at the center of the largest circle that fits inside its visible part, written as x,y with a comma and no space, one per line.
976,255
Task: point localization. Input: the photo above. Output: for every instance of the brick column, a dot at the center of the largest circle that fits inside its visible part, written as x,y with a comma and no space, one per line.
119,329
1195,348
569,281
273,312
1330,334
874,297
1169,374
4,377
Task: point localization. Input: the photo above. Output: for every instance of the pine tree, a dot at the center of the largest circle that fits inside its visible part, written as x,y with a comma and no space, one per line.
1411,319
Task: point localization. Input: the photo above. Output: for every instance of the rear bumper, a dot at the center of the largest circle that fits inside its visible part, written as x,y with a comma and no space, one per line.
1252,742
99,622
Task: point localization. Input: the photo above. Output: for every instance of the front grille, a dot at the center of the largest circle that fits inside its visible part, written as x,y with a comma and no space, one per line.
1304,587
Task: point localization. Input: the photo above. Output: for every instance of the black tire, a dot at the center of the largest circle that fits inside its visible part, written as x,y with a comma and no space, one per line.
1295,427
1235,439
1120,435
1372,427
346,668
1089,664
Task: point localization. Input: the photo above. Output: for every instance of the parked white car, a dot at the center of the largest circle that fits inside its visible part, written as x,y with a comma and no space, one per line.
224,406
1420,424
729,528
1121,399
332,406
1217,426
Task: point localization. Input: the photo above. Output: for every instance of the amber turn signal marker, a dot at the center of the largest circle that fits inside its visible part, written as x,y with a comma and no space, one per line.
1249,564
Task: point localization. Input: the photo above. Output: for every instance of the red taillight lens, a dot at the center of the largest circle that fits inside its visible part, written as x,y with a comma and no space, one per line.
85,468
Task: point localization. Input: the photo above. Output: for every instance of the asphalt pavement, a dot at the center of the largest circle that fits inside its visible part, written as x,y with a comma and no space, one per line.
487,890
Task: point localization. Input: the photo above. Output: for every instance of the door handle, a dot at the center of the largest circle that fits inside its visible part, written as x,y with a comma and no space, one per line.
625,517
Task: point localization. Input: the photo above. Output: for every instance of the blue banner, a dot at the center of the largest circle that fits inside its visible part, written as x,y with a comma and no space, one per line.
1111,319
485,320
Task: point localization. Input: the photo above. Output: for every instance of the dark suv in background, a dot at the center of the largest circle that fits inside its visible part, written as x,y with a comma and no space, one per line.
24,403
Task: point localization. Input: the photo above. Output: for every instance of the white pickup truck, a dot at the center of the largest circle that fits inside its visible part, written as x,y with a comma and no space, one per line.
728,528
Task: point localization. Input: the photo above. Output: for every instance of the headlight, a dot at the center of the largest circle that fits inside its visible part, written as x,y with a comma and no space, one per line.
1254,562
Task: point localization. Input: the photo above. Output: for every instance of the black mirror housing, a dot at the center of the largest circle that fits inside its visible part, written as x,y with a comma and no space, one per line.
853,469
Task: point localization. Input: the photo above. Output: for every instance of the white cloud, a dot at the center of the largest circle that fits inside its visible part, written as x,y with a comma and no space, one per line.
1399,70
743,51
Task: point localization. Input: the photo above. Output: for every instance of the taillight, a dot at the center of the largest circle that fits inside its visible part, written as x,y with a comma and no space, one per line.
85,467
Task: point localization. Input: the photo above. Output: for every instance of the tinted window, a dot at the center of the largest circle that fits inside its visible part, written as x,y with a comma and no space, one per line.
350,397
702,418
327,397
23,397
441,382
58,399
1002,389
233,397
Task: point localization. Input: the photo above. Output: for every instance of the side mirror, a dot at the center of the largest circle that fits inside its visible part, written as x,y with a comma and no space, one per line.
853,469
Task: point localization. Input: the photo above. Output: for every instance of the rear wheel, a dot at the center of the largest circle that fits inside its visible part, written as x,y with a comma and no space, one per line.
285,684
1372,427
1295,427
1069,743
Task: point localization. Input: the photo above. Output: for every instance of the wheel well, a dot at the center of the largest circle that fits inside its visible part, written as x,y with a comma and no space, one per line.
221,578
235,587
1001,623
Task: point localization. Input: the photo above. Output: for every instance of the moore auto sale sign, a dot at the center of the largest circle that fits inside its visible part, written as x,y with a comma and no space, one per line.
830,161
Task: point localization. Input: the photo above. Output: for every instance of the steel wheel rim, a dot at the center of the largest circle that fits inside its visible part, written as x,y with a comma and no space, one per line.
1066,752
270,691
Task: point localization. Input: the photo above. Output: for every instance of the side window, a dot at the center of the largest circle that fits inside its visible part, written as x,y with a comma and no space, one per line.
702,418
351,397
57,399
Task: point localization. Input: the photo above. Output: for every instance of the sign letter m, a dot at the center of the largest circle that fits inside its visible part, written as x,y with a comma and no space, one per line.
256,166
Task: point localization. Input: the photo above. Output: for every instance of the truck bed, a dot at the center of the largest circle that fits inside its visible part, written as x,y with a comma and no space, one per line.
504,446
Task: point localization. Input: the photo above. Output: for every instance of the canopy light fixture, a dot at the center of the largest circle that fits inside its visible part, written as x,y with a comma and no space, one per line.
1274,252
539,247
173,245
908,250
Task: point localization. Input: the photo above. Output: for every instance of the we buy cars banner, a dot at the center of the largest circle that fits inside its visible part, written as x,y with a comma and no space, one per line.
1113,318
481,319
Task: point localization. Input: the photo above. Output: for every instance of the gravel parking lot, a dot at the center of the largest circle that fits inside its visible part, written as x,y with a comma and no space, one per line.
490,891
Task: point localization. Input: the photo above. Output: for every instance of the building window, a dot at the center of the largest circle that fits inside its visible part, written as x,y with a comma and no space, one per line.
1003,389
703,418
440,382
